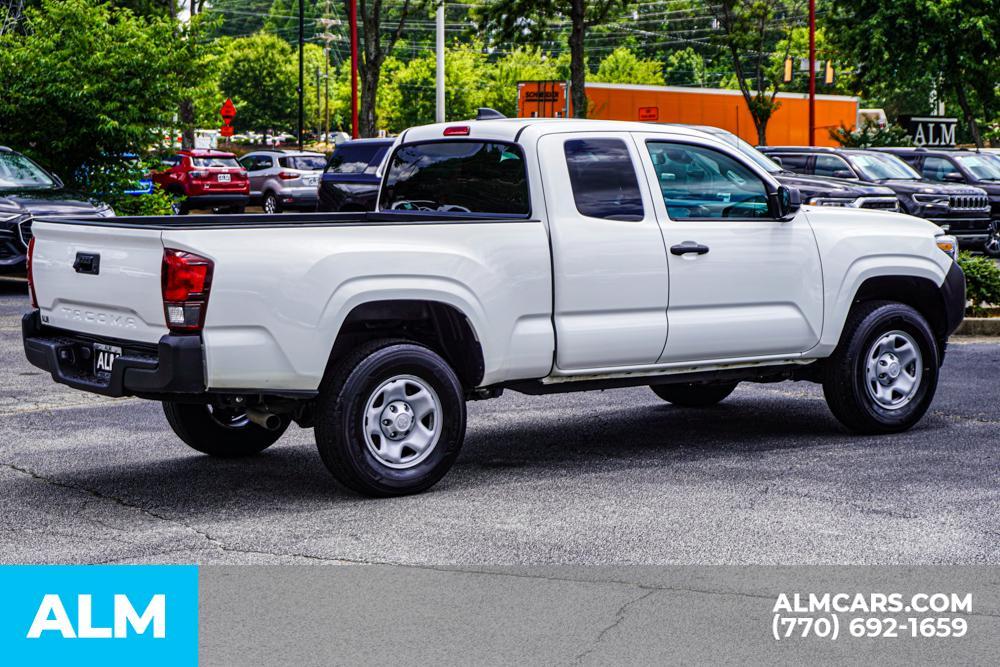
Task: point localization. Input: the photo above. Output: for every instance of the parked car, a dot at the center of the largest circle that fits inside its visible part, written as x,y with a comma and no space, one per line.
815,190
961,210
205,179
590,255
961,166
28,191
351,180
281,179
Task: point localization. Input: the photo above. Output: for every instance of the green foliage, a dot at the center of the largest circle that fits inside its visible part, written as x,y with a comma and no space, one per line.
624,66
89,79
108,178
870,135
259,74
686,68
982,282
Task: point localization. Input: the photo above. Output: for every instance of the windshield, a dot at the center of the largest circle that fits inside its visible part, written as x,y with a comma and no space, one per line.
457,176
216,162
19,173
304,162
880,167
981,166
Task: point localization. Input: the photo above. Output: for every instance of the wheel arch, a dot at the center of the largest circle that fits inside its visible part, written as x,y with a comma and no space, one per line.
441,326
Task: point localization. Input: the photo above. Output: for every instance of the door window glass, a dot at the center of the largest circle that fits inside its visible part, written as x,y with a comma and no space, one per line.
797,162
831,165
603,179
935,168
702,183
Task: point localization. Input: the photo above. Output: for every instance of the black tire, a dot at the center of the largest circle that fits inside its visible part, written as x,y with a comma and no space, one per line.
270,204
846,385
692,395
200,430
340,418
992,245
180,207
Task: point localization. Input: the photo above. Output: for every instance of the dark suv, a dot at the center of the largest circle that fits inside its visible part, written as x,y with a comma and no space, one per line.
962,210
960,166
351,180
28,191
815,190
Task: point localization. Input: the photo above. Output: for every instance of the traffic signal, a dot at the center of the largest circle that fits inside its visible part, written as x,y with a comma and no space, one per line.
828,76
788,69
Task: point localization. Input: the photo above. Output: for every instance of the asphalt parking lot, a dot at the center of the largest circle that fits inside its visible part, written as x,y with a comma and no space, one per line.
618,477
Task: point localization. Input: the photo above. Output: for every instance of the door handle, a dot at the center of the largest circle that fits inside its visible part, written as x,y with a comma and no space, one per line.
688,247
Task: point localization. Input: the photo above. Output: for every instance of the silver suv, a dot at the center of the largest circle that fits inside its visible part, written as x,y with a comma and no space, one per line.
284,179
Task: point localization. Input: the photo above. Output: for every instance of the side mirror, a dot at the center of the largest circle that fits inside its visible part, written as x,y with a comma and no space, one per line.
954,177
776,160
786,202
844,173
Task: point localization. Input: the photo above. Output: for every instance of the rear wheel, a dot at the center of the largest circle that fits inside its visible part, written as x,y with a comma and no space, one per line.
390,419
221,432
271,203
691,395
883,375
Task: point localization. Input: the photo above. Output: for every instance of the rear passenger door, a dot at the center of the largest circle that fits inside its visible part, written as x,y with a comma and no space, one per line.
609,262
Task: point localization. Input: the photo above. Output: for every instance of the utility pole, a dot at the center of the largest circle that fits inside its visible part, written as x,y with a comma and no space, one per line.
439,107
812,72
302,68
328,22
354,68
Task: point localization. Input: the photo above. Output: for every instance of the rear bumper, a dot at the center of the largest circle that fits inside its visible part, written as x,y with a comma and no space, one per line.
220,199
176,365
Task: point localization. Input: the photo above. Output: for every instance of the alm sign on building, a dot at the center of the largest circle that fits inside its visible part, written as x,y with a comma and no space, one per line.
937,131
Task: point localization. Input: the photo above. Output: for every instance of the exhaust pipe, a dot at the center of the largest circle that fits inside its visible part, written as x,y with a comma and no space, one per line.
268,420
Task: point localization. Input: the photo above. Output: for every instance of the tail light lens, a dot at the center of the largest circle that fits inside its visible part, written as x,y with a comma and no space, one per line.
186,280
287,176
199,174
31,280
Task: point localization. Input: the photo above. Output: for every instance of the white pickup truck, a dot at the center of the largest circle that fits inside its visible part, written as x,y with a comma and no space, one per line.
533,255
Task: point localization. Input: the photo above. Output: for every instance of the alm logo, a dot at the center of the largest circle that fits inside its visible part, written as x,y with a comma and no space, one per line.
52,617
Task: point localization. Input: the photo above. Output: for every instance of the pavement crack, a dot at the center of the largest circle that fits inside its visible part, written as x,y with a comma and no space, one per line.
619,618
145,511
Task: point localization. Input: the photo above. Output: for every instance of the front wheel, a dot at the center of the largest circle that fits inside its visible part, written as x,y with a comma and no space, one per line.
691,395
992,245
883,374
390,419
221,432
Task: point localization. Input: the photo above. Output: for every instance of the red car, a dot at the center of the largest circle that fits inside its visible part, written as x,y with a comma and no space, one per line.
207,179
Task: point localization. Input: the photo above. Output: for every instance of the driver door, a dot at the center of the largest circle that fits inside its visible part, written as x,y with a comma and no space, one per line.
742,283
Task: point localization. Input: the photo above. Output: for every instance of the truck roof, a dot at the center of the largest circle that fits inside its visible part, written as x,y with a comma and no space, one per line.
513,129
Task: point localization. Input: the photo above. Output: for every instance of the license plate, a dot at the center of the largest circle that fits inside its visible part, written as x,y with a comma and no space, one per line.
225,178
104,358
312,180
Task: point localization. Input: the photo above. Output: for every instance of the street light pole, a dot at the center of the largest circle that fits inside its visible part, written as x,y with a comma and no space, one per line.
354,68
302,70
812,72
439,109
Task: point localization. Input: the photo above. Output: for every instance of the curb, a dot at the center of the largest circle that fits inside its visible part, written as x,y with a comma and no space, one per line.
979,326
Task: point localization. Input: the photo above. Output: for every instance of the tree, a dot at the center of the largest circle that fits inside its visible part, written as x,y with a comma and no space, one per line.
946,45
536,20
623,66
376,45
88,80
750,31
240,18
260,74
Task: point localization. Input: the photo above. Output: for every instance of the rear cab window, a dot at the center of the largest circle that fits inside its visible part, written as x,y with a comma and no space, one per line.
459,176
603,179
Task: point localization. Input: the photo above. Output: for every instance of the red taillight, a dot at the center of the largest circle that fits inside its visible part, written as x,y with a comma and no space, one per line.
287,175
31,280
200,174
457,131
186,279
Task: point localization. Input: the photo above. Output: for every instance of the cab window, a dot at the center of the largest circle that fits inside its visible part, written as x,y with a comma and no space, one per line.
699,183
831,165
603,179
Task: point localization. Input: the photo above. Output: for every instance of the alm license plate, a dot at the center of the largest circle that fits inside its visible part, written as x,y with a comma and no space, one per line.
104,358
225,178
312,180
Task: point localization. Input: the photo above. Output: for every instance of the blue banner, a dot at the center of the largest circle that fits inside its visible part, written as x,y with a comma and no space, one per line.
99,615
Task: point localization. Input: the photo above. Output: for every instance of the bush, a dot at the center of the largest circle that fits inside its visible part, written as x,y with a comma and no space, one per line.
869,135
982,283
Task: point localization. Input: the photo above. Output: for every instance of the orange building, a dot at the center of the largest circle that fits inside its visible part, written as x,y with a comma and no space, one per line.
694,106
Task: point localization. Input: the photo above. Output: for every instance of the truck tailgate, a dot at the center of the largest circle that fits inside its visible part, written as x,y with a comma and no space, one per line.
100,280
